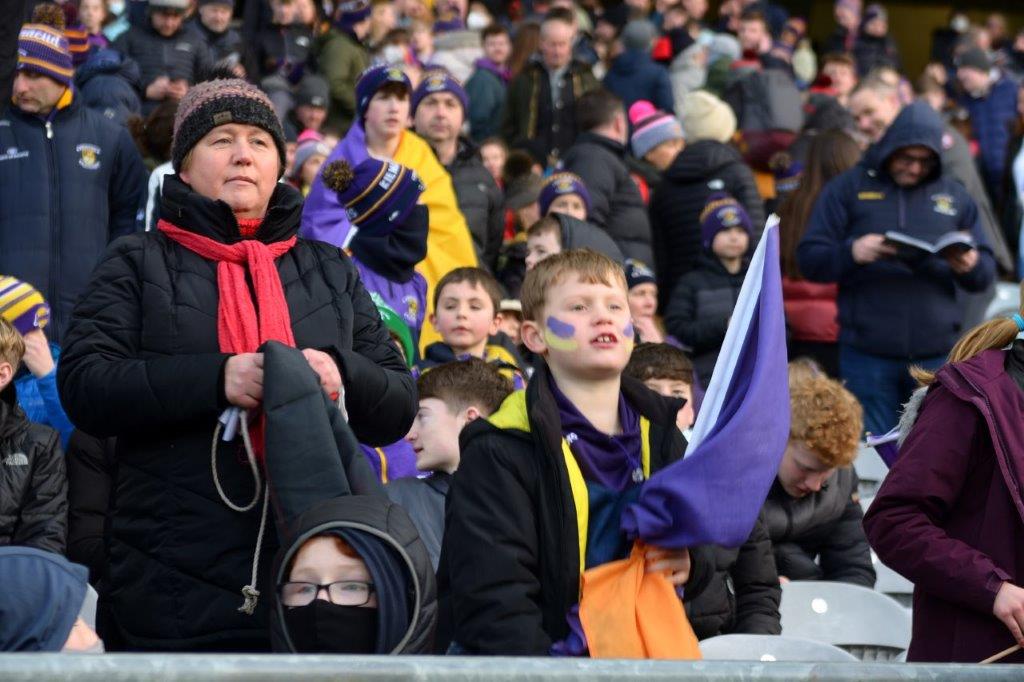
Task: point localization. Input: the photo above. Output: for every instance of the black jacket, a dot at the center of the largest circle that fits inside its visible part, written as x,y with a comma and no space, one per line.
33,481
532,121
225,49
183,55
510,561
480,200
92,471
63,199
819,537
615,202
698,312
702,168
743,595
142,362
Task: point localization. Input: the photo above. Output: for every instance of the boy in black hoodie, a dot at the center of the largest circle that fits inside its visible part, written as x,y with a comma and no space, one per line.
701,305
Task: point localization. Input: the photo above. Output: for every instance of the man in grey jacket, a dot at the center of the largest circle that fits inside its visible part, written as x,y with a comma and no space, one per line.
439,108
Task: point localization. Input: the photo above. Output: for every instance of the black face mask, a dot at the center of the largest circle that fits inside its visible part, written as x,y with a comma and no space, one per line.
326,628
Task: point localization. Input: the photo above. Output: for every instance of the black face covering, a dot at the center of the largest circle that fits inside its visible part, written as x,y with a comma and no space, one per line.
326,628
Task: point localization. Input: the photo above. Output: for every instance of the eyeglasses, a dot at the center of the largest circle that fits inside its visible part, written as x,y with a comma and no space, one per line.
925,162
340,593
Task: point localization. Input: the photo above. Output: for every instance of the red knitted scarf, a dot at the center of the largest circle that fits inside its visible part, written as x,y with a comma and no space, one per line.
243,326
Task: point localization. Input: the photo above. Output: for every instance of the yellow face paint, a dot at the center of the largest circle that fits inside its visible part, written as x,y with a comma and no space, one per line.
559,335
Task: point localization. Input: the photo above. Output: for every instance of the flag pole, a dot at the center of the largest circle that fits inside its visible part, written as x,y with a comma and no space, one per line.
1002,654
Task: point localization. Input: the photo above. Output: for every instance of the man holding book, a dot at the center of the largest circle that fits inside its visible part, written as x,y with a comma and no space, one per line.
899,304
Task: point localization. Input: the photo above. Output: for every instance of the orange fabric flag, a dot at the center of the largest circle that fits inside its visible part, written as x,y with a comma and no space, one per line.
629,613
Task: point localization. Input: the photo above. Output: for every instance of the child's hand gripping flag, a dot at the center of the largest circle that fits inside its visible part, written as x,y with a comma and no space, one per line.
714,494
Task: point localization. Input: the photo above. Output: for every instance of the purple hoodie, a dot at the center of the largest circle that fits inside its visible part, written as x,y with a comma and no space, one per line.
408,299
949,515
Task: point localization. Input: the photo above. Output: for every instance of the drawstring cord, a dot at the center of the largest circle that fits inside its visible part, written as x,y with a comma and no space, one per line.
249,592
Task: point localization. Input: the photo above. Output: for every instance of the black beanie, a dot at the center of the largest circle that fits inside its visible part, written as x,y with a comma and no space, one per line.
218,102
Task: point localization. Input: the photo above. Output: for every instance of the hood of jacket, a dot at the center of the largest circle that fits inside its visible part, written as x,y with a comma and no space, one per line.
701,160
386,539
55,590
916,125
992,381
578,234
320,483
395,255
185,208
108,62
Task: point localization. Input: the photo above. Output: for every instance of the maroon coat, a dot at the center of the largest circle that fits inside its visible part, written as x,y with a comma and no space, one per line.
949,515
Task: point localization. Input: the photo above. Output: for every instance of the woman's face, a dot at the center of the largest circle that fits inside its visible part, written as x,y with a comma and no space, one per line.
237,164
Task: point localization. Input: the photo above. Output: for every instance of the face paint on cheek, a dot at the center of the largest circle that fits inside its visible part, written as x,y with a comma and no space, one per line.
630,334
559,334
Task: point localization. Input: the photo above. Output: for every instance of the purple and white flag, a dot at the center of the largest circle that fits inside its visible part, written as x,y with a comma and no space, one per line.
714,494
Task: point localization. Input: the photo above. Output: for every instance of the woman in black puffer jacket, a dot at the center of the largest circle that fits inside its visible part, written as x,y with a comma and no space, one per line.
164,340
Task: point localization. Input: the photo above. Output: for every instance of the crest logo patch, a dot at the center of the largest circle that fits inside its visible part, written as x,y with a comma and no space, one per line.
88,156
944,204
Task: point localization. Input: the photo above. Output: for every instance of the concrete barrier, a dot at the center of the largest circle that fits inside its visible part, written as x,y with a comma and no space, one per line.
265,668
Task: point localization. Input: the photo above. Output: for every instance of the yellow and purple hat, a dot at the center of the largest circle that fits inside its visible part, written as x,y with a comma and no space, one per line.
22,305
44,49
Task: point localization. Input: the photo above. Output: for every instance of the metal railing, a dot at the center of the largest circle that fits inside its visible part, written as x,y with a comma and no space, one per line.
266,668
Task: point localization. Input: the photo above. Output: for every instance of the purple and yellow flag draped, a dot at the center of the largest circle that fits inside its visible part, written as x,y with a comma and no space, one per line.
714,494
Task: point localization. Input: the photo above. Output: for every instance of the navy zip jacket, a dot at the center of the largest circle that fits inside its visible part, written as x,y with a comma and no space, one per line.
66,190
891,308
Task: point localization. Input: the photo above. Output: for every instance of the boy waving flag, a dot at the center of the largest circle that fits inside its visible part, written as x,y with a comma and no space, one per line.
712,495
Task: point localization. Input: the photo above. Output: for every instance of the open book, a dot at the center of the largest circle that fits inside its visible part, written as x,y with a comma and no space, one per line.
951,243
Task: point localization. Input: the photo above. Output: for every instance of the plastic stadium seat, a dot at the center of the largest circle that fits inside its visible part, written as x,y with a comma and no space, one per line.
868,624
770,648
871,470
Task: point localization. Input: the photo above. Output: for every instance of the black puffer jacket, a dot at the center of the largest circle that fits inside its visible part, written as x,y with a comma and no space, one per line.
480,200
743,595
702,168
698,312
33,481
826,526
615,202
183,55
142,362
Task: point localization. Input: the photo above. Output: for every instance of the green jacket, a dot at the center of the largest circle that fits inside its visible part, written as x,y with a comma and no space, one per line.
341,60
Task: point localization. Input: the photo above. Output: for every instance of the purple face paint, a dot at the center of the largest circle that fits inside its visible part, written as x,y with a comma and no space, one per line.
629,331
562,330
559,335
